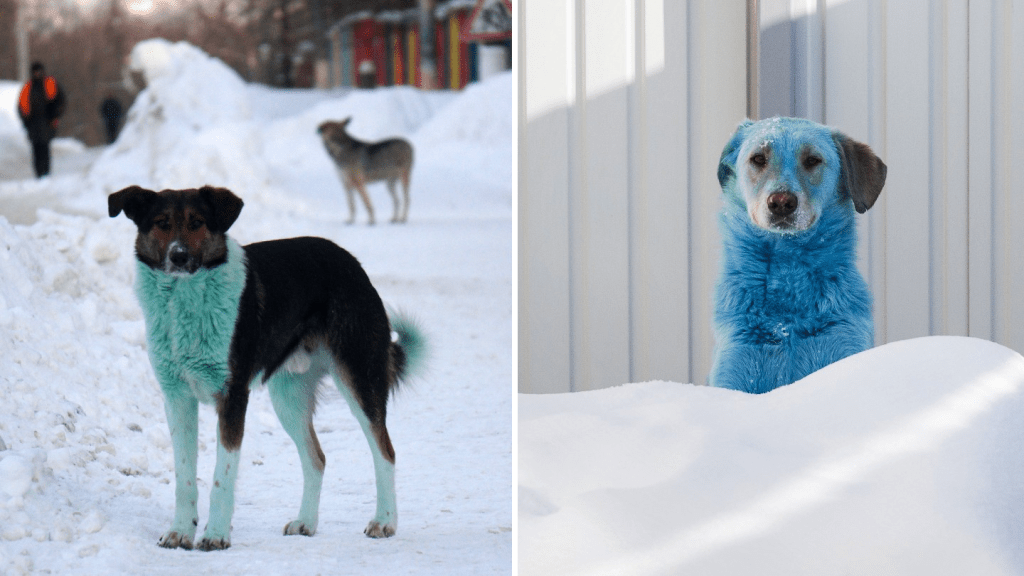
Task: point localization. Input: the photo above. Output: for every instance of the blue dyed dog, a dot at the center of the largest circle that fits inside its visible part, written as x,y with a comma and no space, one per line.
790,299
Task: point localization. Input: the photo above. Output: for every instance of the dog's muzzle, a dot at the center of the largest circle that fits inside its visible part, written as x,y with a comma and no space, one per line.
178,256
178,259
782,204
782,210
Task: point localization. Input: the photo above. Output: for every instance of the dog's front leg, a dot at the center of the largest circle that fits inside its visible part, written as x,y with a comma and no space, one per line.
230,428
183,419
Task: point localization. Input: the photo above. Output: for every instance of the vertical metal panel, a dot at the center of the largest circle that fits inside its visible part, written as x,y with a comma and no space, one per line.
909,178
659,249
948,120
547,71
1008,85
1013,186
981,152
598,206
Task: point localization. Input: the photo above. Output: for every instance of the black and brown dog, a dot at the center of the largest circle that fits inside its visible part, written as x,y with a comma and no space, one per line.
221,318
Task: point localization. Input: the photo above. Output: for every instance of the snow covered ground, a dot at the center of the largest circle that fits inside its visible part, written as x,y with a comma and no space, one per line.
904,459
86,480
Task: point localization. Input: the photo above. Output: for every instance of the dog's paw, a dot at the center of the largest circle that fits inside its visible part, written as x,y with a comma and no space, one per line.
299,527
212,543
175,539
377,530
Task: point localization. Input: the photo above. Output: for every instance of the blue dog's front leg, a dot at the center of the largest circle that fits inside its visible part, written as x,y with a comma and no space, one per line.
183,419
839,341
749,368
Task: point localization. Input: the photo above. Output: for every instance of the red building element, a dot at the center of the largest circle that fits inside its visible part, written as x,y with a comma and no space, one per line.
382,49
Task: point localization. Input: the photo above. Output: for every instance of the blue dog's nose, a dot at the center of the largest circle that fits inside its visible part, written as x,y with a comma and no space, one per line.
782,203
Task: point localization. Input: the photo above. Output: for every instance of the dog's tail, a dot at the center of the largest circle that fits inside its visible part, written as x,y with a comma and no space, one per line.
408,349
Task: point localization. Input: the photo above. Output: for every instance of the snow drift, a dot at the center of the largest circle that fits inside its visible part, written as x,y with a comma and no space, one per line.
904,459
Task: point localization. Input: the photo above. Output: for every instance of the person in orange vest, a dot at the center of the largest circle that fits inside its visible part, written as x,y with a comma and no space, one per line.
40,105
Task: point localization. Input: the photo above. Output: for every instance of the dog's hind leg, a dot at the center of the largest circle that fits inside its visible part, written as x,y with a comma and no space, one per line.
183,420
394,201
405,190
370,412
294,398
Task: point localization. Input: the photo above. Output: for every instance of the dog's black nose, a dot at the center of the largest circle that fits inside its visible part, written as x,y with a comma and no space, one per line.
782,203
178,256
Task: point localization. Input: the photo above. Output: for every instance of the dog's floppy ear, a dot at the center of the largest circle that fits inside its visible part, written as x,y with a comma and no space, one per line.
727,163
862,171
134,200
225,207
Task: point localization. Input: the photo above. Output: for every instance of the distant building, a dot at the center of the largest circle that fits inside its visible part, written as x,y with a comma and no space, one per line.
382,47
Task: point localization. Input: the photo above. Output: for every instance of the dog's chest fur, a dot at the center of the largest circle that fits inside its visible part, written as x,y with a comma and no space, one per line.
780,287
190,323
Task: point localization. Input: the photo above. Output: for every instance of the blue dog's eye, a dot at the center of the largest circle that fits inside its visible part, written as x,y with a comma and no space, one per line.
758,159
811,162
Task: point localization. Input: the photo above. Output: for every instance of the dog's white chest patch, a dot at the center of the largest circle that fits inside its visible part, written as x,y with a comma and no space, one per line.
299,362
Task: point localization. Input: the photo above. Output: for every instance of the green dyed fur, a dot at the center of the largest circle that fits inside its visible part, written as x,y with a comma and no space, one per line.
412,341
190,321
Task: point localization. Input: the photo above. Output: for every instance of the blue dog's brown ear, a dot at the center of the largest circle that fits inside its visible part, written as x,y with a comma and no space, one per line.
862,171
133,200
727,163
225,205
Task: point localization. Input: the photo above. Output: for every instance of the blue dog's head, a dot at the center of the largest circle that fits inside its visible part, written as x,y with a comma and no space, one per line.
786,171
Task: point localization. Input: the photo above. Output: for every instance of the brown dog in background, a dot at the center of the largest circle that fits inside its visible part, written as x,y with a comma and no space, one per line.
359,163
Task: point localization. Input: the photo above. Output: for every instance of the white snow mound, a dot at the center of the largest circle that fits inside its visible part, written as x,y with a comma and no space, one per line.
904,459
189,127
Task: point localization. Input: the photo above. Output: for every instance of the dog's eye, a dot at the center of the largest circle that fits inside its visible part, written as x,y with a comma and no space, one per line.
759,159
811,162
163,224
194,225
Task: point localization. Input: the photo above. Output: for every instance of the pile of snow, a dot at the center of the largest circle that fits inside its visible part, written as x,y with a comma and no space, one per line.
86,473
904,459
186,128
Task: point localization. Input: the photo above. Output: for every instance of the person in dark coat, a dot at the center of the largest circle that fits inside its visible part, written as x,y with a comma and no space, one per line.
111,110
40,104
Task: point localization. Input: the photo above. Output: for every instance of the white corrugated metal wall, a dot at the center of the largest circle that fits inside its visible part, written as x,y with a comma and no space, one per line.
626,104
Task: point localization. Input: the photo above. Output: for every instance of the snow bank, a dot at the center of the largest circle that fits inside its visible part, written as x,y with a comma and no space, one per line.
62,279
186,129
905,459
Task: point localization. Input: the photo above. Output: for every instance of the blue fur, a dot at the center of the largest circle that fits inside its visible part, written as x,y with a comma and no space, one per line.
787,303
190,321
